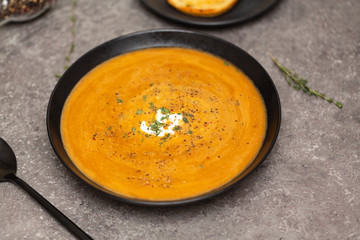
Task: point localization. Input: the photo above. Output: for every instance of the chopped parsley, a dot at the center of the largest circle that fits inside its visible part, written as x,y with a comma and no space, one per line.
119,100
139,111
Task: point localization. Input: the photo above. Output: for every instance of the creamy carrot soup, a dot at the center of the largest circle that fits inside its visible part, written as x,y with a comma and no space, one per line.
163,123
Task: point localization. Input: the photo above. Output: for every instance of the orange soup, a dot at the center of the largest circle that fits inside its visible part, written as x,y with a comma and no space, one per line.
163,123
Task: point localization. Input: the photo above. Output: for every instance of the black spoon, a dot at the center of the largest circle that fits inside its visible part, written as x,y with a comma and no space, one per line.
7,173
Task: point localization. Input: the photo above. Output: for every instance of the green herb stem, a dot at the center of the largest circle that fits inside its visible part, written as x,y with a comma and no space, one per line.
73,36
299,83
72,30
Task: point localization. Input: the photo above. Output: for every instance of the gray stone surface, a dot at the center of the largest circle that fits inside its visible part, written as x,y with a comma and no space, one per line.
308,188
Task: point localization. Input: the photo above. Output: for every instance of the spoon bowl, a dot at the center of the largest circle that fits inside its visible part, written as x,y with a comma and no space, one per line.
7,160
8,168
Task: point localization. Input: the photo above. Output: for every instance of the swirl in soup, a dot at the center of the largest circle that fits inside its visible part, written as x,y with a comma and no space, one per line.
163,123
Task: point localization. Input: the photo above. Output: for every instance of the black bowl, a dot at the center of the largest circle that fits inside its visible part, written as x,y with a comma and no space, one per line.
164,38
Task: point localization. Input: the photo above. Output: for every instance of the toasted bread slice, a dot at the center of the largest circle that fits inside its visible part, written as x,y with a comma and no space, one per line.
203,8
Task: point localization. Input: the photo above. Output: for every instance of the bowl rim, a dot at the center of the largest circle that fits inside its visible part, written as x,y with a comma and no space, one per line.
157,203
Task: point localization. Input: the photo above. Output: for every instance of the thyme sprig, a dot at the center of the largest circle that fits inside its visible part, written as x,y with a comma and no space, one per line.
300,83
73,36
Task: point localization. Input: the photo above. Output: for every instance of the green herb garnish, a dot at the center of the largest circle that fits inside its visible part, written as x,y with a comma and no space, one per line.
155,127
164,117
152,106
133,130
144,98
73,18
185,120
119,100
190,132
166,137
176,128
165,110
139,111
300,83
187,114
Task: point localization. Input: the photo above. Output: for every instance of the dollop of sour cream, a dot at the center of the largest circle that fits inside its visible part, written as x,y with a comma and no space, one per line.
165,124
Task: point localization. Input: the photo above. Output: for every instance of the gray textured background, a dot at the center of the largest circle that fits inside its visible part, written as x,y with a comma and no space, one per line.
308,188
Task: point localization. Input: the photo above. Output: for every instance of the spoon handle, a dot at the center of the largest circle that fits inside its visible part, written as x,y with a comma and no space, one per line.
71,226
